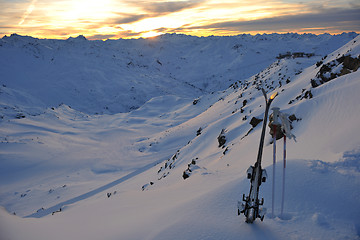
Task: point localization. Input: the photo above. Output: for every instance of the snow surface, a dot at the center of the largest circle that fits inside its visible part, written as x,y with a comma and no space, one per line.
104,131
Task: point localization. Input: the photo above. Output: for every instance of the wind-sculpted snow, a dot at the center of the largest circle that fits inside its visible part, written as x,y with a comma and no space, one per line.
174,166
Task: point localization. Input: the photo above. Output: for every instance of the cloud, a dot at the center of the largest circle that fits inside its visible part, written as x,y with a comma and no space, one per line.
28,11
326,19
126,18
147,10
168,7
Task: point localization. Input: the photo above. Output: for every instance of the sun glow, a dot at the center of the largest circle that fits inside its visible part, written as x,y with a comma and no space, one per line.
150,34
84,10
150,24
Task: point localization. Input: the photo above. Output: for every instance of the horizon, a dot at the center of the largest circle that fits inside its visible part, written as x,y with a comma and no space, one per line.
128,19
189,35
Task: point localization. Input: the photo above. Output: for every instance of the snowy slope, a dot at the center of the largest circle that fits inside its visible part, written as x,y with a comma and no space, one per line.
121,175
121,75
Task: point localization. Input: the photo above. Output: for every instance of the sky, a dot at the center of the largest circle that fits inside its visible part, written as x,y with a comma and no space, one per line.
113,19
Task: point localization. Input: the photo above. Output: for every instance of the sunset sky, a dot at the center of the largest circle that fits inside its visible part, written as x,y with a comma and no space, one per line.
104,19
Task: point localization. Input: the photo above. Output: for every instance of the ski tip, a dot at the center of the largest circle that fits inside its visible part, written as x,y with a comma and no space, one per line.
273,95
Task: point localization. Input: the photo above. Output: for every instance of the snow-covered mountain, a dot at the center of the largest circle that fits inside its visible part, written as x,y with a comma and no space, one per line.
120,139
121,75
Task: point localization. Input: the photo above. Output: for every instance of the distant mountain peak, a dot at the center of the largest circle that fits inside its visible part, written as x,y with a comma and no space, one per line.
78,38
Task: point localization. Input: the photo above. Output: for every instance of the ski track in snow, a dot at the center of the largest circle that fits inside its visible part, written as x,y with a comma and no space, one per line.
91,193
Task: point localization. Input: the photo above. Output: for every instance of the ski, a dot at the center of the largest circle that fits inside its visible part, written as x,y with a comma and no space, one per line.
257,175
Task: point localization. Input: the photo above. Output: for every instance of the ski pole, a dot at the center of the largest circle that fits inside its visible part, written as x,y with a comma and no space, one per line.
283,183
274,162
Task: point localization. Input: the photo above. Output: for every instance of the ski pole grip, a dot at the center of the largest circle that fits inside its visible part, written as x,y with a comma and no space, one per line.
275,116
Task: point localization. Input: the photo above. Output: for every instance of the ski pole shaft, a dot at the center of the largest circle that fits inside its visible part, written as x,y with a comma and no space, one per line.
283,183
284,151
274,162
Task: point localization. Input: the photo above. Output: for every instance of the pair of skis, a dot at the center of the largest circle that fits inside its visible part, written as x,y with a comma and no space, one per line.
251,206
